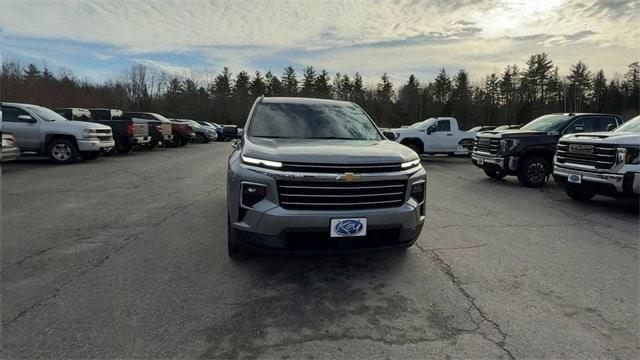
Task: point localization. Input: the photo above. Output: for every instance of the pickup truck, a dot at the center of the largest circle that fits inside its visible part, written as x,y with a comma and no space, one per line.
528,152
160,128
126,133
436,136
316,175
44,132
605,163
203,134
182,134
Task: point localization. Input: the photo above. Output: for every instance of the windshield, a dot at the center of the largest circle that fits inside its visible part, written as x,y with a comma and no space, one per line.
312,121
547,123
420,124
46,114
632,125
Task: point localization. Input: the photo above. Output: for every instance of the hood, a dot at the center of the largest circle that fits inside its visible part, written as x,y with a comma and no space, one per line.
609,137
511,133
73,125
321,151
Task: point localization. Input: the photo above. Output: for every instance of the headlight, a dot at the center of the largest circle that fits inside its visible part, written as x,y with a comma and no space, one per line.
627,155
410,164
508,145
418,190
89,133
260,162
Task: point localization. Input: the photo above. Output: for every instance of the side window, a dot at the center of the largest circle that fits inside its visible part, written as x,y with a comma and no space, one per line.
443,126
602,123
10,114
580,125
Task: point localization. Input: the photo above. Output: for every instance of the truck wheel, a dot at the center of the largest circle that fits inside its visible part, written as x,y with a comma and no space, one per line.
152,144
200,139
89,155
123,149
497,175
63,151
175,142
579,193
533,172
184,141
236,252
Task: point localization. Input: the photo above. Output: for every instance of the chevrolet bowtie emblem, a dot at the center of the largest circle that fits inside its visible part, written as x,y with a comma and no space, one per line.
348,177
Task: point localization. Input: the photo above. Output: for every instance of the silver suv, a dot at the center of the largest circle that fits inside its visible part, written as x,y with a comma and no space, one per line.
312,175
42,131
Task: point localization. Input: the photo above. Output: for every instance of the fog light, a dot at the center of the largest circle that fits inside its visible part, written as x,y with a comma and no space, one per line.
418,191
252,194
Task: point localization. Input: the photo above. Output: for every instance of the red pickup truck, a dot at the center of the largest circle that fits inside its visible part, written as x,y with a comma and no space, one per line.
182,134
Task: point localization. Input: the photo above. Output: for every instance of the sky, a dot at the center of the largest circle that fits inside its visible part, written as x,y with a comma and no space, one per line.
98,39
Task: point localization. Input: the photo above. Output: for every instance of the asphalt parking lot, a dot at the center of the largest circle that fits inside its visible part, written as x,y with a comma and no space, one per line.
125,257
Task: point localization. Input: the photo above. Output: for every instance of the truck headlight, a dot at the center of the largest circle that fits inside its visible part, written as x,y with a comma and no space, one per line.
418,191
253,193
628,155
508,145
260,162
410,164
89,134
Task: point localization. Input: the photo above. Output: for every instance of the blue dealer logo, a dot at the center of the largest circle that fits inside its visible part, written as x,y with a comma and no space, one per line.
348,227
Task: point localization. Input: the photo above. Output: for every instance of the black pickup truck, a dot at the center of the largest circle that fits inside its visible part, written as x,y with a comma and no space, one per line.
126,133
528,152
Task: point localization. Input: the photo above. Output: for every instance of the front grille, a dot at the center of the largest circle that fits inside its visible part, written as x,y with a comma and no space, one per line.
105,138
600,156
486,145
341,169
336,195
103,131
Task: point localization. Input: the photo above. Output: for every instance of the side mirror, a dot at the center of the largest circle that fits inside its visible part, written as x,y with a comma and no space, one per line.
235,143
611,127
431,129
230,130
27,119
389,135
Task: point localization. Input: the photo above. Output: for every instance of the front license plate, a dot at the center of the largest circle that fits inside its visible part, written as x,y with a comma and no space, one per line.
574,178
348,227
480,161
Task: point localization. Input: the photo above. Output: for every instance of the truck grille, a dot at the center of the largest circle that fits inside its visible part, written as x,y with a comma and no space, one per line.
486,145
600,156
341,169
334,195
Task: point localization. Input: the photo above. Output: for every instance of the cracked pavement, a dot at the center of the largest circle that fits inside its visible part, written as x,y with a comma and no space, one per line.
125,257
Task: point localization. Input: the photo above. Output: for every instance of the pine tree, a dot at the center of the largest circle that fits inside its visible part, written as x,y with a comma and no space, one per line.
358,90
289,82
538,71
580,80
442,87
274,86
461,96
599,95
258,86
322,86
409,101
308,82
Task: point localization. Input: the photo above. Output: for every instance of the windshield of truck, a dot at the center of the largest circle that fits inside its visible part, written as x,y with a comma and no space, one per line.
632,125
420,125
547,123
312,121
46,114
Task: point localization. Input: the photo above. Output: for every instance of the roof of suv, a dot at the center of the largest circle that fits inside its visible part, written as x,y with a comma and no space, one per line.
302,100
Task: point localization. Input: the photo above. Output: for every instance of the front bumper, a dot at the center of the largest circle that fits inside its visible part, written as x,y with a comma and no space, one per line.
628,182
95,145
10,153
508,163
139,140
270,227
168,137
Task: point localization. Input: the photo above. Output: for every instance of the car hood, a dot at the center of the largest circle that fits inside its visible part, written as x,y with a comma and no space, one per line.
608,137
327,151
512,133
74,125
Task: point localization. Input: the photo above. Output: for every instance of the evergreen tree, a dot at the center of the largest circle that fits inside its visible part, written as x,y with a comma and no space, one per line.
442,87
258,86
409,101
599,95
289,82
308,82
357,90
322,86
462,101
538,71
580,83
274,86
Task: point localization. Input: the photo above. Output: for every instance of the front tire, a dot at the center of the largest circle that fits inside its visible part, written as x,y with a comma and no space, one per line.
63,151
201,139
236,251
579,193
496,175
534,172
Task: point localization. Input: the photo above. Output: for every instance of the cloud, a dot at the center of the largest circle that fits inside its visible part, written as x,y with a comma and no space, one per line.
396,36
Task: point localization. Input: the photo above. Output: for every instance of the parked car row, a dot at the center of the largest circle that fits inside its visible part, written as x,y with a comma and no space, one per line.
67,134
586,153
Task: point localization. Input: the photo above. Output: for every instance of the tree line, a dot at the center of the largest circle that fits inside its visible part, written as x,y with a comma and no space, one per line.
513,96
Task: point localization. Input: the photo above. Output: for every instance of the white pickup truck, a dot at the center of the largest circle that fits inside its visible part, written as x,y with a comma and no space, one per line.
436,136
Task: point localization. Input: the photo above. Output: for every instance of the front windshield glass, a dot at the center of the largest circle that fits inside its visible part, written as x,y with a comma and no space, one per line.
547,123
420,125
632,125
312,121
46,114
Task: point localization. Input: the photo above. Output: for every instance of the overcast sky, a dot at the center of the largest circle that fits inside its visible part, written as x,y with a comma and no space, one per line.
98,38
